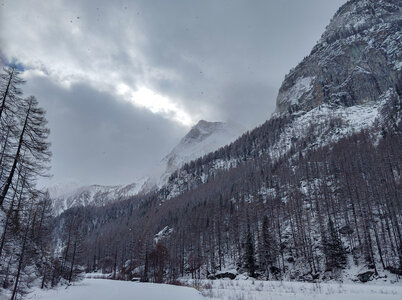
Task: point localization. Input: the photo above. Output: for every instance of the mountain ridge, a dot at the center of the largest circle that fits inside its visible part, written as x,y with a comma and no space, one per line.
202,138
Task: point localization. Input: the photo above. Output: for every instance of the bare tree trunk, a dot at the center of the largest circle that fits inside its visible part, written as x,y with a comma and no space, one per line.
21,260
7,273
72,262
115,264
16,157
8,216
3,152
3,100
43,278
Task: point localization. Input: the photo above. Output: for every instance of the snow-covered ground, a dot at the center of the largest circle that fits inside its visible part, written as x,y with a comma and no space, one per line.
225,289
103,289
276,290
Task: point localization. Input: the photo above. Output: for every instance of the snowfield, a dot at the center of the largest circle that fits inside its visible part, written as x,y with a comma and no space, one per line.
277,290
103,289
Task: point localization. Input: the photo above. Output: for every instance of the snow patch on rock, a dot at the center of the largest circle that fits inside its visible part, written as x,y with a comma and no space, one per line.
291,96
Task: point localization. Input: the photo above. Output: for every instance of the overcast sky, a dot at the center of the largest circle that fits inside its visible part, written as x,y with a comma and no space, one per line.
123,81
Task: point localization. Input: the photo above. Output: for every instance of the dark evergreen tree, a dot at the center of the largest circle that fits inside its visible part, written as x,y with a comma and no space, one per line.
268,247
334,250
250,253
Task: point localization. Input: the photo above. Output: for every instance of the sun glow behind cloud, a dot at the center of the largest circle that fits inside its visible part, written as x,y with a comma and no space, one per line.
156,103
143,97
88,55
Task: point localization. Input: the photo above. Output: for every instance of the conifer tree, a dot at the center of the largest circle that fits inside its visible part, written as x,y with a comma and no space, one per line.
10,104
268,247
334,250
32,149
250,259
10,90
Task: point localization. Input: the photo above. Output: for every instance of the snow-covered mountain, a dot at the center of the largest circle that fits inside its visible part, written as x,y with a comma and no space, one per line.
203,138
70,195
351,81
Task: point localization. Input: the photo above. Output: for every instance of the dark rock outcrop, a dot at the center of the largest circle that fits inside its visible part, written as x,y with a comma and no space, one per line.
366,276
229,275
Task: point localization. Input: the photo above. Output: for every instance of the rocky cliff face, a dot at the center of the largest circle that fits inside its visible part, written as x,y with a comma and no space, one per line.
357,59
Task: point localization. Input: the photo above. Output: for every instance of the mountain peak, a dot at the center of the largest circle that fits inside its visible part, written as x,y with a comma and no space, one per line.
203,123
204,137
357,16
202,130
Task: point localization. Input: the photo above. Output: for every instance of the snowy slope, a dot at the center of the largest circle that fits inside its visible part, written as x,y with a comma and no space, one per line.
72,195
102,289
261,290
318,127
203,138
328,123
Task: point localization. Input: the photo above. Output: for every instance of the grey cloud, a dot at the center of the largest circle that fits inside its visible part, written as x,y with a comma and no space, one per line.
96,139
230,44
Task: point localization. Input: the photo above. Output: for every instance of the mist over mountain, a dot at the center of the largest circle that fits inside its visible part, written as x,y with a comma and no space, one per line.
203,138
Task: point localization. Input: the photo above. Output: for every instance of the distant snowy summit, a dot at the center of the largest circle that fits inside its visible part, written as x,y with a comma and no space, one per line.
71,195
203,138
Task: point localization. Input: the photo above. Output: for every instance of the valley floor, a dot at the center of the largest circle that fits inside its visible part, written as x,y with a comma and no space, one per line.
276,290
103,289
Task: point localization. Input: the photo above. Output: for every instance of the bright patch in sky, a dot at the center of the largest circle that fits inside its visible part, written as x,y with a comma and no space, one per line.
156,103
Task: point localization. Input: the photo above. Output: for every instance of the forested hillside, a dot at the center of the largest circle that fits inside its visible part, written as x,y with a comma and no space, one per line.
324,210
